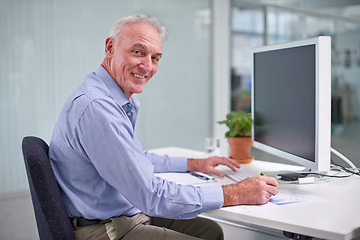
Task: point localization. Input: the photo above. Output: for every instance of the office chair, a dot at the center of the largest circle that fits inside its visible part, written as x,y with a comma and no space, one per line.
51,216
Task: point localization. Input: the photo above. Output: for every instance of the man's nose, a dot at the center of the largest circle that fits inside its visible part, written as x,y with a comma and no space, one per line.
146,63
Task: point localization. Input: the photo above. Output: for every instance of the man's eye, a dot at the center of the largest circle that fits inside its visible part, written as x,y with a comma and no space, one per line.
137,52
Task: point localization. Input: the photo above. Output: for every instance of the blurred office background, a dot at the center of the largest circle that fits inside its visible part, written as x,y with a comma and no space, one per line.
47,48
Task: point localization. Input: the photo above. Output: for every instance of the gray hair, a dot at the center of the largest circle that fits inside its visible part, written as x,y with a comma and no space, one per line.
139,18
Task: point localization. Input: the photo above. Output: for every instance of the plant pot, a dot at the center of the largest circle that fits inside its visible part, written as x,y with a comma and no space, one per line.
240,149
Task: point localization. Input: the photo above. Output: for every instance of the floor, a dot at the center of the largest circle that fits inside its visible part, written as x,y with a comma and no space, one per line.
17,209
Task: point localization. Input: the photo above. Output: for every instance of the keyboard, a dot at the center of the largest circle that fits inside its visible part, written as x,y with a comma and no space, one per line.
241,174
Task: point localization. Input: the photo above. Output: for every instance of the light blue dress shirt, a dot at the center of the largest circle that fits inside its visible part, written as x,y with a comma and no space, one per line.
101,167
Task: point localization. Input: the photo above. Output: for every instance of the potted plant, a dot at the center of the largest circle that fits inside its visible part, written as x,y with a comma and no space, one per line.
239,135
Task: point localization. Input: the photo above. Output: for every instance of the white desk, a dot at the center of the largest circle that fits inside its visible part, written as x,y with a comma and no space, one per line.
338,218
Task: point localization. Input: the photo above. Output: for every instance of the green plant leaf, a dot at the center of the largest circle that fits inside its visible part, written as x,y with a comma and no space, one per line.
239,124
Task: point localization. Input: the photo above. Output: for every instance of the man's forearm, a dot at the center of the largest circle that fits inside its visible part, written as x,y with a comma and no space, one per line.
193,164
229,195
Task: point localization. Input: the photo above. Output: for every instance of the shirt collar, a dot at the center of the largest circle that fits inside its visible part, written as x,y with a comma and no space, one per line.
114,88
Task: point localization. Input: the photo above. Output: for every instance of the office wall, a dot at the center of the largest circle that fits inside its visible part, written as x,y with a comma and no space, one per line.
47,47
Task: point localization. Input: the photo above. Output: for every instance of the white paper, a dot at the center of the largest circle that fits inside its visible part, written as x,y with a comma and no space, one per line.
285,198
183,178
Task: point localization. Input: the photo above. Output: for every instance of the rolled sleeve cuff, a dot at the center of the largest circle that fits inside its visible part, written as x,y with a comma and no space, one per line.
213,198
178,164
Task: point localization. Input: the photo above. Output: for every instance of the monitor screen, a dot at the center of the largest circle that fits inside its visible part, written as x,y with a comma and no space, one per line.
291,101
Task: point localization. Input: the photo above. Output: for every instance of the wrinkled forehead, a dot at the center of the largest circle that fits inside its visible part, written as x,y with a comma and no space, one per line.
141,33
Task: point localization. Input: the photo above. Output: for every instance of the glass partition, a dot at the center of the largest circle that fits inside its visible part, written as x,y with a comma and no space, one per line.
248,31
283,26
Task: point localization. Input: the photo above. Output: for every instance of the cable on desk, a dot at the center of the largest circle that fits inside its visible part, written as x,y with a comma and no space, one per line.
356,172
345,159
339,168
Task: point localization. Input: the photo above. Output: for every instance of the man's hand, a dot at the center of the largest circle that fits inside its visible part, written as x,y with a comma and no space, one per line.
207,165
251,191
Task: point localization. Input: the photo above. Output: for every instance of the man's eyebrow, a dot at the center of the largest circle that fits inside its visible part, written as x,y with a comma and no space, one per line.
142,46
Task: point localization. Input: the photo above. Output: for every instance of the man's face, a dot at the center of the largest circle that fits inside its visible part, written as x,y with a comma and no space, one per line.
134,58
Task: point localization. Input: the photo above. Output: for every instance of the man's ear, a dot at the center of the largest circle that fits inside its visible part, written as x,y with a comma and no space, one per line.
109,45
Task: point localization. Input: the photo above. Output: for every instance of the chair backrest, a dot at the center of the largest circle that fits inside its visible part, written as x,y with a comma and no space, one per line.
51,216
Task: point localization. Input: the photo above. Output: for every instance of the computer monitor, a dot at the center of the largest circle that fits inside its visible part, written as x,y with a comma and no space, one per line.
291,101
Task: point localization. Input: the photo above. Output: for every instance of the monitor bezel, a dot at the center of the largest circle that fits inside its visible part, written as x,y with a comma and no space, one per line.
322,99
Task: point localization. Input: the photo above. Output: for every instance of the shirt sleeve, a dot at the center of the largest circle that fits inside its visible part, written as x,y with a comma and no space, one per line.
106,136
164,163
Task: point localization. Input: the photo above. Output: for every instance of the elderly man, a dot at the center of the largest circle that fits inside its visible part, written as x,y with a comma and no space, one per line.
107,180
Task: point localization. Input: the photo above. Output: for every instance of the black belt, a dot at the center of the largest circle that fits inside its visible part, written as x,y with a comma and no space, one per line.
82,222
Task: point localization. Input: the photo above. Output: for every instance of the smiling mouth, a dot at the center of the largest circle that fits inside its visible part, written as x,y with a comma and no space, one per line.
138,76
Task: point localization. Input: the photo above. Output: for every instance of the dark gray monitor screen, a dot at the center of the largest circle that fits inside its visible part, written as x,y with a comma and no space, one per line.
285,100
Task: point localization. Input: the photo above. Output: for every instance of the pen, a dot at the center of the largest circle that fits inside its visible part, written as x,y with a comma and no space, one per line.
201,176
